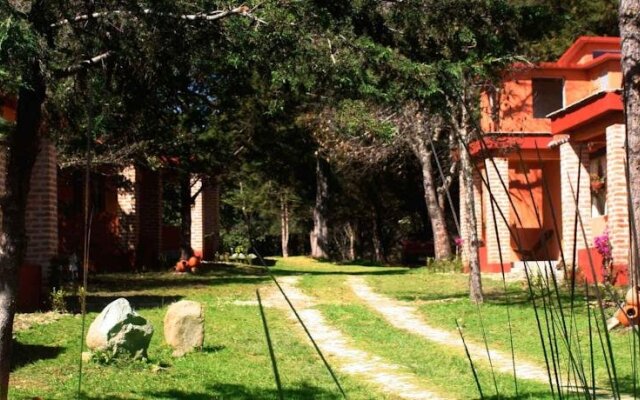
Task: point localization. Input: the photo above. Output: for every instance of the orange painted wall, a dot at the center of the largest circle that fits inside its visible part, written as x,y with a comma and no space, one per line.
528,227
516,100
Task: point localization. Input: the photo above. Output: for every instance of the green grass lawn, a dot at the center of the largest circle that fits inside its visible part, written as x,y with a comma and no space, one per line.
235,362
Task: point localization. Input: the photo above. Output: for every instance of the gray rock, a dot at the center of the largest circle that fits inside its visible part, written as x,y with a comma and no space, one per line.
184,327
119,330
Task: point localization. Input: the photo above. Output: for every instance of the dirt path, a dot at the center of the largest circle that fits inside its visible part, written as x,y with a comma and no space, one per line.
341,353
407,318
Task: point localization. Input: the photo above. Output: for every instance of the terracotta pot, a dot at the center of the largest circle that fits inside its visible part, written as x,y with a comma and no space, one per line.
181,266
596,186
194,262
632,296
627,315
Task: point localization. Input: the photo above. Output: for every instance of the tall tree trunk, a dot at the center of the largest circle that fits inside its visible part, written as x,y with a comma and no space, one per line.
470,243
351,235
284,224
378,253
320,234
442,244
186,202
24,145
630,33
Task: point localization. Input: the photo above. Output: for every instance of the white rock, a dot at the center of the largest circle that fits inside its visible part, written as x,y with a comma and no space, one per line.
184,326
119,330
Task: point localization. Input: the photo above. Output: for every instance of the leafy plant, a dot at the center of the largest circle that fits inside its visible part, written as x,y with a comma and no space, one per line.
57,298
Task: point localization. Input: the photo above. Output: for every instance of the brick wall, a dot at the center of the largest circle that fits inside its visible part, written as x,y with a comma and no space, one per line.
500,243
617,205
570,164
41,219
148,191
127,215
205,217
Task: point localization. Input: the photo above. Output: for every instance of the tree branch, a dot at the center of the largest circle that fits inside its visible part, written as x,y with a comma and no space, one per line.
242,10
84,64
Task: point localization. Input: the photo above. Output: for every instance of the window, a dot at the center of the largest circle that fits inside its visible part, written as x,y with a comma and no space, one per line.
600,53
547,96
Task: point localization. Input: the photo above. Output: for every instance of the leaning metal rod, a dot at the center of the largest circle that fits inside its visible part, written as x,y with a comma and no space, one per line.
274,364
613,379
295,312
516,238
315,345
473,368
87,240
446,189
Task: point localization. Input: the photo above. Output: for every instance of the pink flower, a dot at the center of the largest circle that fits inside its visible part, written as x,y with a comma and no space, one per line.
458,241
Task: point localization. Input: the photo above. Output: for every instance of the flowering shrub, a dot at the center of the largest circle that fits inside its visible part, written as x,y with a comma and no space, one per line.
603,246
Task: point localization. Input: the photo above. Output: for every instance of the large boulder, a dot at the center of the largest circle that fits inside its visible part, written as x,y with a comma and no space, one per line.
119,330
184,327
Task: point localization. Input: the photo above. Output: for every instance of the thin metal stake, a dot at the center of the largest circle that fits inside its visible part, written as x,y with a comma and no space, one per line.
473,369
315,345
274,364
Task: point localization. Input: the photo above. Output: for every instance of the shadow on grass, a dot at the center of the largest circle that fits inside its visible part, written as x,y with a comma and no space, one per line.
231,391
97,303
241,392
287,272
25,354
149,281
626,385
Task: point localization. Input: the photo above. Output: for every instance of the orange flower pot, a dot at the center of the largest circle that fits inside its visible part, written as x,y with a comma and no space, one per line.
194,262
181,266
627,315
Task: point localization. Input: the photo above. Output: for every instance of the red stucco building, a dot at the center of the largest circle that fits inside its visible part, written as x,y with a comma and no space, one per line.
554,133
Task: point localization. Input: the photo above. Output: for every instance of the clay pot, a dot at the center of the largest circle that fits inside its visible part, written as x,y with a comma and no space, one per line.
596,186
627,315
633,295
181,266
194,262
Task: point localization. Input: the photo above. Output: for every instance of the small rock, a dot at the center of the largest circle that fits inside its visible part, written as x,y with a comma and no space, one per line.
184,327
119,330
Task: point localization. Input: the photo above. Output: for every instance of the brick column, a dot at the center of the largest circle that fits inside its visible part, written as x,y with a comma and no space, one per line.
41,219
149,210
127,215
617,201
205,217
501,197
570,164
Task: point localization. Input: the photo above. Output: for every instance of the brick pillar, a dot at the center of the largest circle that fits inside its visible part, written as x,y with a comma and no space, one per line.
501,197
477,197
41,219
570,164
149,209
127,215
617,201
205,217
